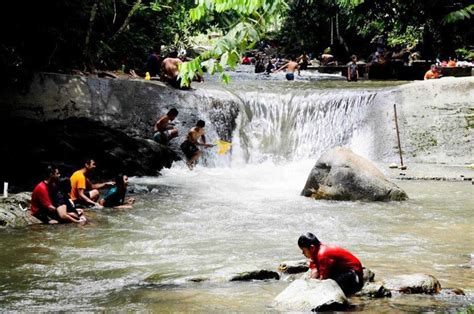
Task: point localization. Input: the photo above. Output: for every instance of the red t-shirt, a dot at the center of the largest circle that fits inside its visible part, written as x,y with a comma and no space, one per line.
331,261
40,199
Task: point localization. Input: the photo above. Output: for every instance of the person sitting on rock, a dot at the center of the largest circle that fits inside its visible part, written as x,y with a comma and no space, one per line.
164,130
332,262
41,205
115,196
67,211
170,73
83,192
190,145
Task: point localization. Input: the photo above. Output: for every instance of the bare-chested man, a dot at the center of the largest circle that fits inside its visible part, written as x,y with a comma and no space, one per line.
164,129
291,67
170,73
194,139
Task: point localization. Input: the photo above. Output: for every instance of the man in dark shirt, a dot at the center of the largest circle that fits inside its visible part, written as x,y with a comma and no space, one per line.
153,62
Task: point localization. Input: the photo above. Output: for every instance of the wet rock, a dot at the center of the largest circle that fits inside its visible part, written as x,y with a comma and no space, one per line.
368,275
198,279
452,292
311,295
414,284
12,214
393,166
374,290
293,267
339,174
256,275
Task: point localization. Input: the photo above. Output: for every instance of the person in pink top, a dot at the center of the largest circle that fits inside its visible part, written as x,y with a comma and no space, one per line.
332,262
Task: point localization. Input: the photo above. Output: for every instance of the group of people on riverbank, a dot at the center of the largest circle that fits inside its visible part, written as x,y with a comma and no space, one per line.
63,200
165,130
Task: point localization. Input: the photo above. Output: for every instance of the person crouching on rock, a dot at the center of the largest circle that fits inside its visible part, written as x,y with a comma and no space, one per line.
115,196
164,129
332,262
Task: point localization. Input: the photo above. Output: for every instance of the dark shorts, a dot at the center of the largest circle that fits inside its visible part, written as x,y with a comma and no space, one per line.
353,78
162,137
349,282
290,76
80,203
189,149
45,215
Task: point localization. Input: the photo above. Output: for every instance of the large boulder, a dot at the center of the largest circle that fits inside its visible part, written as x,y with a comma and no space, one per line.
311,295
415,283
13,211
339,174
255,275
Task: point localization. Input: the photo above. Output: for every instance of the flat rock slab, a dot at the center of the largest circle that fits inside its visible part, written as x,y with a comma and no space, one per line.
311,295
414,284
374,290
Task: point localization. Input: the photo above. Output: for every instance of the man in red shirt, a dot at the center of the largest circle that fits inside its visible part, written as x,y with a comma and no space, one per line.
41,205
332,262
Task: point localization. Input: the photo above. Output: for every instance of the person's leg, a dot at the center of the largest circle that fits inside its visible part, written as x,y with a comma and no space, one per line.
349,282
193,159
173,133
94,195
63,215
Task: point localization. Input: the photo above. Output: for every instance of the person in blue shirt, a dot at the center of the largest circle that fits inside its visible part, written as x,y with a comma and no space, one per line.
115,196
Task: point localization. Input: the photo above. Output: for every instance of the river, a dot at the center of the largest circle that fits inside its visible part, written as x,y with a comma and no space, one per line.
237,212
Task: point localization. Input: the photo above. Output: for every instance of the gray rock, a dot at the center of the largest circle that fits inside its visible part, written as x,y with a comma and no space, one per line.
339,174
368,275
414,284
311,295
293,267
256,275
11,215
374,290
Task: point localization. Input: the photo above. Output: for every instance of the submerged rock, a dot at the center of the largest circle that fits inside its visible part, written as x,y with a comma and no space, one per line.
12,215
374,290
414,284
368,275
339,174
293,267
311,295
256,275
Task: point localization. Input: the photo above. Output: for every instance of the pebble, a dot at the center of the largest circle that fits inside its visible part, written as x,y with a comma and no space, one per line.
393,165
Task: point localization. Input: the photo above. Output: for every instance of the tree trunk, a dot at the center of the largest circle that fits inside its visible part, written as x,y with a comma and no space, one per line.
127,19
85,53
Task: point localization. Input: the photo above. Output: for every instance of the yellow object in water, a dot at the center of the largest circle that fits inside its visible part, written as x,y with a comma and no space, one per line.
147,76
223,146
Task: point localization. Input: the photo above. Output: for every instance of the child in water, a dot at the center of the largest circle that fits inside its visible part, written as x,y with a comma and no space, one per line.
115,196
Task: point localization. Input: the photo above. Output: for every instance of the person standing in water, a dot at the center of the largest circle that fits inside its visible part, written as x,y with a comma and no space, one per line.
352,71
194,139
291,66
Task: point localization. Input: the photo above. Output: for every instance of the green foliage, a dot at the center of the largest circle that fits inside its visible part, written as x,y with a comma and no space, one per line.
465,53
251,18
459,15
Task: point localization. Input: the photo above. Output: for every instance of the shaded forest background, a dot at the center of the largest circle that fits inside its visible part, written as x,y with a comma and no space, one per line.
64,35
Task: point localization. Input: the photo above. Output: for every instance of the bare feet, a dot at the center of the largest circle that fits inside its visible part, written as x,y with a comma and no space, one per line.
53,222
190,165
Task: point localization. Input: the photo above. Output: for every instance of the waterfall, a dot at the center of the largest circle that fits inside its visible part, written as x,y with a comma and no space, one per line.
299,125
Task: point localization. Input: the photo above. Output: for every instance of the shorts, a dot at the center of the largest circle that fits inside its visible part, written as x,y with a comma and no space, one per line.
349,282
189,149
45,216
79,202
290,76
353,78
162,137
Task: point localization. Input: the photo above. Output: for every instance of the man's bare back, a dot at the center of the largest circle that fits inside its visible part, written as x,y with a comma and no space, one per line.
195,134
170,68
291,67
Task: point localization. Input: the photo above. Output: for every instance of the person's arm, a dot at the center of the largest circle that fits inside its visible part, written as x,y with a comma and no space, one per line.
85,198
203,142
282,67
357,71
45,201
98,186
325,265
349,73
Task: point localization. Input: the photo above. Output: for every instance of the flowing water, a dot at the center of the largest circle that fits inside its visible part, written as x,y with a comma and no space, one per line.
191,231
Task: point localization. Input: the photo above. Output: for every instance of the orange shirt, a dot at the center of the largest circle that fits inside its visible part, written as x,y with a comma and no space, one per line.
451,64
431,75
78,181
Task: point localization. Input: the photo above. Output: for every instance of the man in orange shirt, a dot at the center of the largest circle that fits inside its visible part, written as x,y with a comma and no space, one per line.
433,73
83,192
452,63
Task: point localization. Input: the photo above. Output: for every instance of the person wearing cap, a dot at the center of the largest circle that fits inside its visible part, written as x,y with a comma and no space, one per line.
332,262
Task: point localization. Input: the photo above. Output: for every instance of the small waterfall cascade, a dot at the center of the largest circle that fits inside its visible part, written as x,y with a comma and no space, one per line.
300,125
